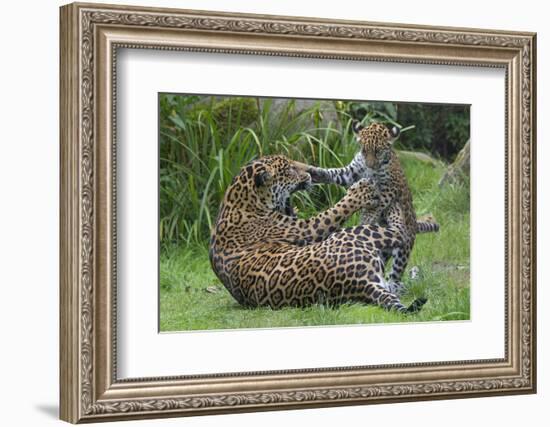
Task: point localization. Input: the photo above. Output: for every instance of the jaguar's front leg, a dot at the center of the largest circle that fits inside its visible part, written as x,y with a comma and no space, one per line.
344,176
316,229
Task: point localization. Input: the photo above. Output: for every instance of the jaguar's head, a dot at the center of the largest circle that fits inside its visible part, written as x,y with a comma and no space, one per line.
376,142
275,178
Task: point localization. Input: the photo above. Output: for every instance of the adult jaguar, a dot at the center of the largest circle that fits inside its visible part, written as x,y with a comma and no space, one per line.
267,258
378,160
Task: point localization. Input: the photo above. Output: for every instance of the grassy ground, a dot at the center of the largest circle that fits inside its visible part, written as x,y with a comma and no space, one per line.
192,298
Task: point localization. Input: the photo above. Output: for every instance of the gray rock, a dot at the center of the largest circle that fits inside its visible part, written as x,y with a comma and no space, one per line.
459,170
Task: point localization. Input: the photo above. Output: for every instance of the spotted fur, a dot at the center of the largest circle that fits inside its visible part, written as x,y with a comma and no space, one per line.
267,258
378,160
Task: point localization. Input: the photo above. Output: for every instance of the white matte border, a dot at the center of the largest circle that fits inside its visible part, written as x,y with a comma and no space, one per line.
143,352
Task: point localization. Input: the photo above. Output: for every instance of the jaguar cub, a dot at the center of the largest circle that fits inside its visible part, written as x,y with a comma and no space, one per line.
267,258
378,160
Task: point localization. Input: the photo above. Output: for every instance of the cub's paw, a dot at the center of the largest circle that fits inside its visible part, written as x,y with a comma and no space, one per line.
317,175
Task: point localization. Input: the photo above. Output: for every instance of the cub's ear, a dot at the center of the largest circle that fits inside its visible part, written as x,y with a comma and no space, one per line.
261,177
357,126
394,131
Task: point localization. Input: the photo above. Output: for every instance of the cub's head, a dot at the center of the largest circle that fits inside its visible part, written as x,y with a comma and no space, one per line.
274,178
376,142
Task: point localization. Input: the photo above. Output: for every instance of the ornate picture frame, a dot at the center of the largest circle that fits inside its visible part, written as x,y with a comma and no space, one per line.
90,37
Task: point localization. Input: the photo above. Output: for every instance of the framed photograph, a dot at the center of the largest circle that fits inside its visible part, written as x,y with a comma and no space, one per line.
266,212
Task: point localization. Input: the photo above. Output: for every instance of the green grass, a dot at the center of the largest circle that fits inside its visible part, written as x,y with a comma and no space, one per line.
192,298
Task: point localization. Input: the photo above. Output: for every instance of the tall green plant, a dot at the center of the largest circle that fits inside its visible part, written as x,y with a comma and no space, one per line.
204,141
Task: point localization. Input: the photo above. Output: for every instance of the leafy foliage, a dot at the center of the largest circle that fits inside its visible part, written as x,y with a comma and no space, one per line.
440,130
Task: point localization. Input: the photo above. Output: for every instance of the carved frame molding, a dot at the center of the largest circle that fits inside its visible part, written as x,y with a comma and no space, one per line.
90,37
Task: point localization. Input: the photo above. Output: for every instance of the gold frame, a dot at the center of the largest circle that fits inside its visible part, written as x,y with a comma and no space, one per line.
90,36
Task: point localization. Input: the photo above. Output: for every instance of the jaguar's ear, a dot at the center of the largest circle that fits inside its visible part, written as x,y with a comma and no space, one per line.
261,177
357,126
394,132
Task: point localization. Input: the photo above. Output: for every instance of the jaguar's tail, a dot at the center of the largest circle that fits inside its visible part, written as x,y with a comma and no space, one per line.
416,305
427,227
